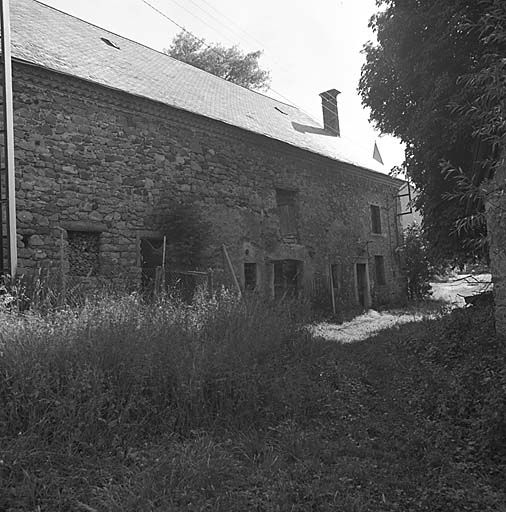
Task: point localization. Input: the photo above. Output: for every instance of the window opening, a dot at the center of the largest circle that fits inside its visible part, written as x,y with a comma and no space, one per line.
151,258
362,285
376,219
250,276
84,252
286,204
379,263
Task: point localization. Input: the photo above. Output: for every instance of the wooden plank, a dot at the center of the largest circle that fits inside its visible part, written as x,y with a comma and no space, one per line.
332,294
232,271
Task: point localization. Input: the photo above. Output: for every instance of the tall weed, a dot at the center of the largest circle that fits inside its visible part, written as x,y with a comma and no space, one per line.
118,369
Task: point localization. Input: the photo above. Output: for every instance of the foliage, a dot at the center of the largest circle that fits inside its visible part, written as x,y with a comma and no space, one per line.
118,367
231,63
119,405
434,80
187,235
419,270
484,89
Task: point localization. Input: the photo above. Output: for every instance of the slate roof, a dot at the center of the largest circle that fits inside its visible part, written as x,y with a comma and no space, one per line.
46,37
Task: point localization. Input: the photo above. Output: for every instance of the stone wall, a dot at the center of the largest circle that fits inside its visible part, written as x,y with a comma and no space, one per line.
90,159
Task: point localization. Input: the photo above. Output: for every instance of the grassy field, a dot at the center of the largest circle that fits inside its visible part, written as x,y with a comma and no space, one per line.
123,406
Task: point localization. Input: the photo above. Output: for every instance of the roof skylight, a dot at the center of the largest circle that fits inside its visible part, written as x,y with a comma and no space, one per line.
108,42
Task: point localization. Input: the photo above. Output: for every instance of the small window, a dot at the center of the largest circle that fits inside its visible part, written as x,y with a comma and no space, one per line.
286,204
376,219
151,258
379,263
250,276
84,253
110,43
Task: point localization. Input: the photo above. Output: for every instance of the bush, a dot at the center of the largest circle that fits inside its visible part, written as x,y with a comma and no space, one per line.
419,270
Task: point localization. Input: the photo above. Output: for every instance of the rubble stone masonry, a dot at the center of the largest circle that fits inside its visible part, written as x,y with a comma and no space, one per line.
96,160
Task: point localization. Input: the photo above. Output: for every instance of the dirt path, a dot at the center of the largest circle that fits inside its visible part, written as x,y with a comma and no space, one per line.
364,326
445,294
453,290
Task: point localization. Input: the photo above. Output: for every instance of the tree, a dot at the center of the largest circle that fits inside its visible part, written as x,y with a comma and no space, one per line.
428,82
232,64
419,270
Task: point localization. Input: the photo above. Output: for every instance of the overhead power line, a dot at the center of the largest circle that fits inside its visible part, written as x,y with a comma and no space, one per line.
238,30
216,52
230,22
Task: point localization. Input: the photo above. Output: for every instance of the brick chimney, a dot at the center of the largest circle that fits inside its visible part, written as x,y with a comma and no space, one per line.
330,113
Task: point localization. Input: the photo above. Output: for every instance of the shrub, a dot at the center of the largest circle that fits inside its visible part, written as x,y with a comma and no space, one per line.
419,270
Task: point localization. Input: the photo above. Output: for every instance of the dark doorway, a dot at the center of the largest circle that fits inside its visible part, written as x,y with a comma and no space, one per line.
250,277
151,258
362,288
287,278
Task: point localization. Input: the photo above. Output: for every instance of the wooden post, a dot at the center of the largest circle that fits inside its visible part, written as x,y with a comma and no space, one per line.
163,261
9,135
63,290
210,282
231,268
332,289
156,287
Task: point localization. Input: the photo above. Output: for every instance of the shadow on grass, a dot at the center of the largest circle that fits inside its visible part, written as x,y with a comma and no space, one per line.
382,435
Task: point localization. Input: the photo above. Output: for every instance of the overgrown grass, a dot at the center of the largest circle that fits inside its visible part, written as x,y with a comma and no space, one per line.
119,405
115,370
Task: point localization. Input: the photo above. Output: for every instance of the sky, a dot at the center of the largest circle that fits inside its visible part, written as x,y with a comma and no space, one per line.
309,47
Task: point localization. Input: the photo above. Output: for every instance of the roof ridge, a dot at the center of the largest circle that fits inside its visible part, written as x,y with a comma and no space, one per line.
165,54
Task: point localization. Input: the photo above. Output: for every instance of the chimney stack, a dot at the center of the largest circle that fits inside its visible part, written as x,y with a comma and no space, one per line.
330,113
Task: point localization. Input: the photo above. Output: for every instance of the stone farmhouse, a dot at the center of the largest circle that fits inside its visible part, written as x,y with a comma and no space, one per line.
110,133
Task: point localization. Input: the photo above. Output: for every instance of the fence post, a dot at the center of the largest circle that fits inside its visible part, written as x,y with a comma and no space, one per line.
63,280
158,274
332,295
231,268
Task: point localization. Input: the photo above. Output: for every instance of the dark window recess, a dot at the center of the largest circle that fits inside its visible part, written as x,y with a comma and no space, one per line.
379,263
250,276
376,219
287,278
84,250
362,285
151,258
286,204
